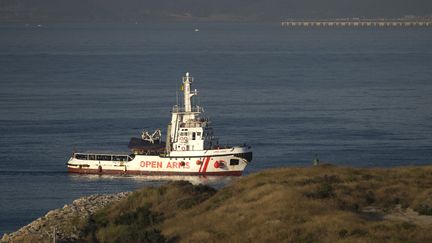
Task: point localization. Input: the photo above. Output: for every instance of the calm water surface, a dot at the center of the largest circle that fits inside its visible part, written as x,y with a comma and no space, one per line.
358,97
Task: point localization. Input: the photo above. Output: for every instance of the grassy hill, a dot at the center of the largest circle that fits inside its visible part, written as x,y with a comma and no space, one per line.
319,204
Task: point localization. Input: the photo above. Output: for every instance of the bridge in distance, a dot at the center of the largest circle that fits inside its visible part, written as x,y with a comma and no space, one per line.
358,23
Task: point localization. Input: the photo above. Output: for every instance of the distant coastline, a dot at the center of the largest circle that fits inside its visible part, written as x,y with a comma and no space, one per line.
149,10
325,203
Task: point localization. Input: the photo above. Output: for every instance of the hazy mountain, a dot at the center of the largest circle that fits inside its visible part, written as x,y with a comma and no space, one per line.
141,10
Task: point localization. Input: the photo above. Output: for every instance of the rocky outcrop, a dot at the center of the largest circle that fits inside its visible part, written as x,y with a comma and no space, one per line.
65,224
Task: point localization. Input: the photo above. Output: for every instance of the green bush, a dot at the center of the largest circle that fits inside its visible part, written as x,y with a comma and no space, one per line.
135,226
142,217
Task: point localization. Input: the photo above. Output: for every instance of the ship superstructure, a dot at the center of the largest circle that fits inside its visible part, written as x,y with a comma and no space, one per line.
191,148
189,130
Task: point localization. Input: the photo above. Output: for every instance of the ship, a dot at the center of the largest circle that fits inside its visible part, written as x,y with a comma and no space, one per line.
190,148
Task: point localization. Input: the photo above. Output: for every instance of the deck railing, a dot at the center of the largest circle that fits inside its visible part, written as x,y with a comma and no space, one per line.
179,109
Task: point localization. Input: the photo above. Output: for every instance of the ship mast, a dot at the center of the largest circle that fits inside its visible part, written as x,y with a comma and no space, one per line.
187,81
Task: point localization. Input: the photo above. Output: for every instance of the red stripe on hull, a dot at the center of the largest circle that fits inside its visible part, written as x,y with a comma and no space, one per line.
202,162
139,172
205,166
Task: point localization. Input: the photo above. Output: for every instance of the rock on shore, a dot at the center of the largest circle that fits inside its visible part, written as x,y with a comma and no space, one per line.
67,222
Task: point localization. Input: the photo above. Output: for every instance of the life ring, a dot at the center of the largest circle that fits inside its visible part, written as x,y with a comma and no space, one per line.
198,162
182,163
183,148
219,164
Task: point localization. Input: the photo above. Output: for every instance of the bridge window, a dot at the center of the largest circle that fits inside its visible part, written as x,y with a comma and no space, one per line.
92,157
234,162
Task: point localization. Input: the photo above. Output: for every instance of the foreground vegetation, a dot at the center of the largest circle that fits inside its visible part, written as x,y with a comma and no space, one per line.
319,204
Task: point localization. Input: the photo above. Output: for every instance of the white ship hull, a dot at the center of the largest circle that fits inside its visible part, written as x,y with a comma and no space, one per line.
231,161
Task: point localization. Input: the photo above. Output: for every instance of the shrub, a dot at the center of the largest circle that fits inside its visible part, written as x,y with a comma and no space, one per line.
343,233
142,217
370,197
134,226
324,190
359,232
424,209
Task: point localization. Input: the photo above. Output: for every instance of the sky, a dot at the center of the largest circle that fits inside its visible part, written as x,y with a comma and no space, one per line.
145,10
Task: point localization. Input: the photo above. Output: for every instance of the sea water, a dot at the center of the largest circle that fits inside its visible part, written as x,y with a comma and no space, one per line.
353,96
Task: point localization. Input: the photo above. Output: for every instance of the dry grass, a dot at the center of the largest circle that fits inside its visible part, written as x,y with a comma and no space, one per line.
319,204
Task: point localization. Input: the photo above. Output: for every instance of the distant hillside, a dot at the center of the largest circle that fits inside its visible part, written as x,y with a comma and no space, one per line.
319,204
206,10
